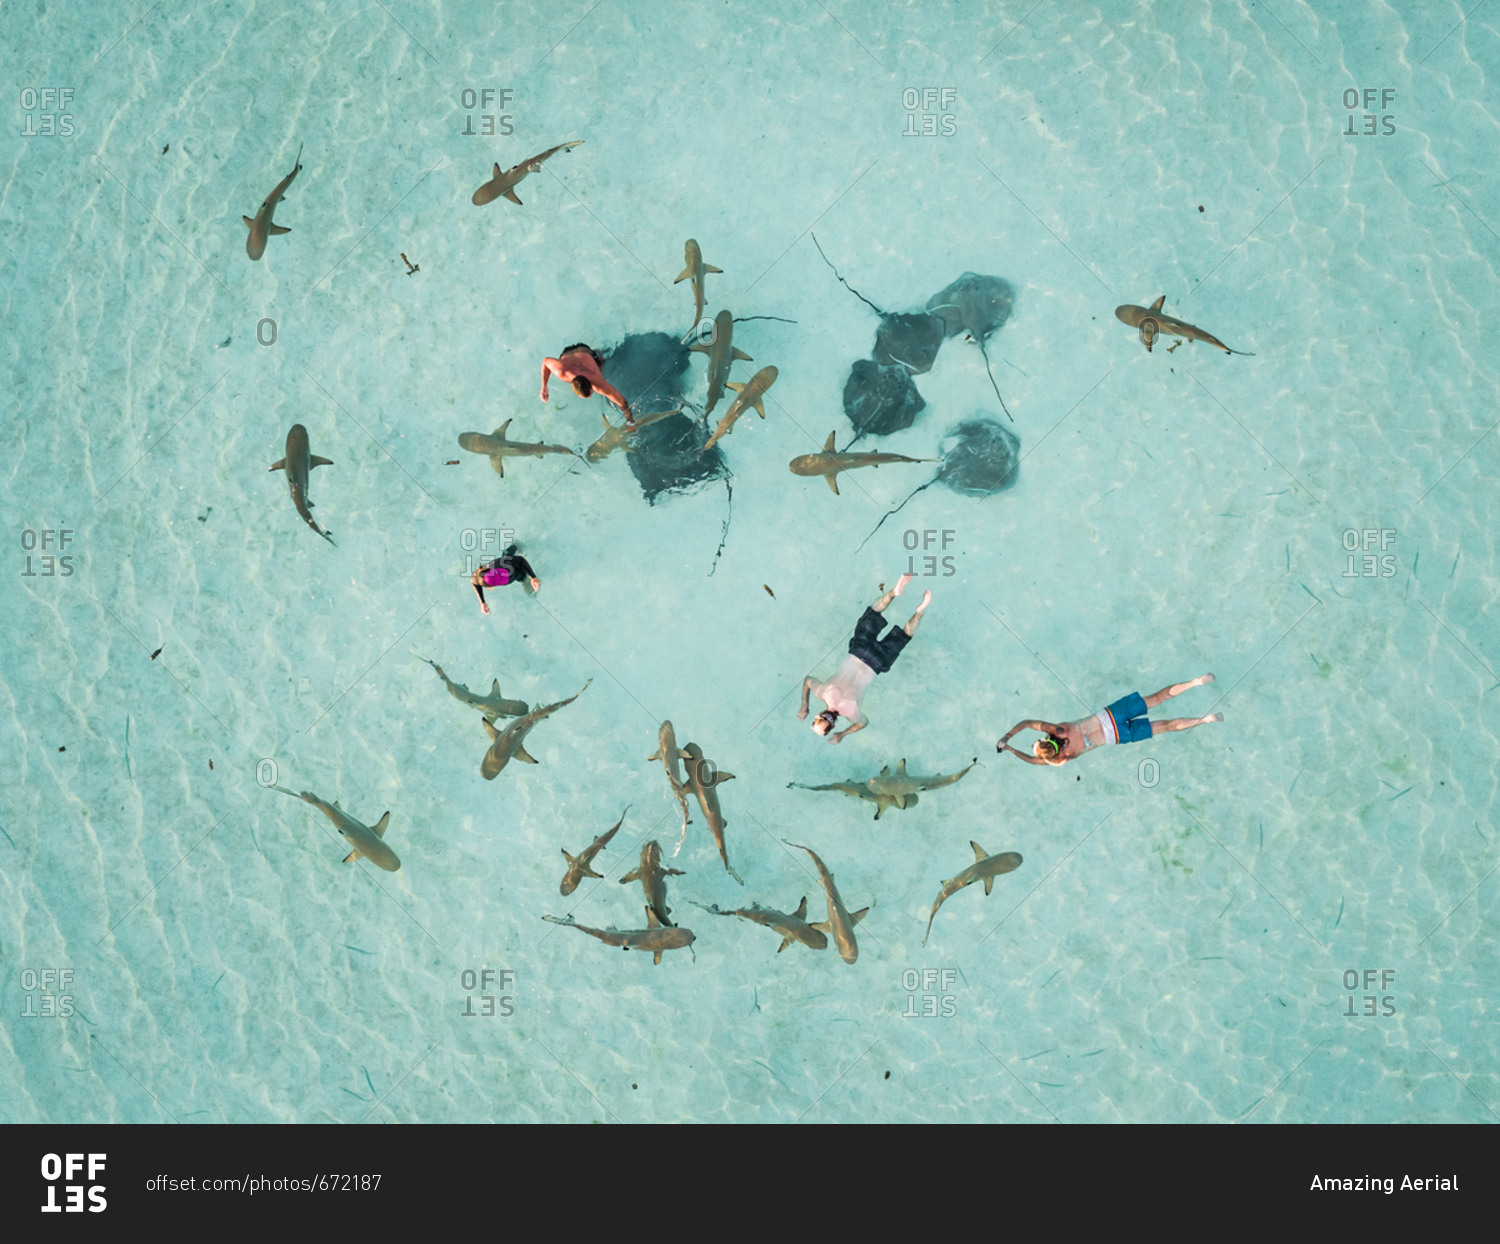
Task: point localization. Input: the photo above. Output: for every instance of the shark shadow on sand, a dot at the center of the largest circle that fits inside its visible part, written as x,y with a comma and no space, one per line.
984,457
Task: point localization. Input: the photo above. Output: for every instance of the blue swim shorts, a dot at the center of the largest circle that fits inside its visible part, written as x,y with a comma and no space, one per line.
1130,721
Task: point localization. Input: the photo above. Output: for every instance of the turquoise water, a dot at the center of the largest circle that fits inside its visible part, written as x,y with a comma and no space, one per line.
1176,943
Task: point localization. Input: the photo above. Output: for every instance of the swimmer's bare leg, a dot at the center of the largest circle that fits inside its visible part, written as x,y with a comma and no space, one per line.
1177,688
1183,723
911,624
891,594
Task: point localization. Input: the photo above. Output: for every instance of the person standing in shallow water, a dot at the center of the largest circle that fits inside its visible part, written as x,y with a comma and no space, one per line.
509,567
1124,721
869,655
582,368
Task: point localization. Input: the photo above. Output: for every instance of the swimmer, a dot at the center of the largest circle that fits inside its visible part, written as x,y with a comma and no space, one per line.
582,368
1124,721
869,655
507,568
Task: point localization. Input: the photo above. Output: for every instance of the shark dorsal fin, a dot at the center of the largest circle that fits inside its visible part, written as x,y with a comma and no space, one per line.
801,912
884,770
497,170
489,728
979,852
1159,303
901,768
380,826
500,431
651,921
828,444
495,687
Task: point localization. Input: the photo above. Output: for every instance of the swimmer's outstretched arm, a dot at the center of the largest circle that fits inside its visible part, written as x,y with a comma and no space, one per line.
807,685
839,737
1046,727
549,367
1031,760
477,582
614,395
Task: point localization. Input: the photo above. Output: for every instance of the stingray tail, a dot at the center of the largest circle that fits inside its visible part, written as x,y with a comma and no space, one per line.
845,283
897,510
993,385
723,540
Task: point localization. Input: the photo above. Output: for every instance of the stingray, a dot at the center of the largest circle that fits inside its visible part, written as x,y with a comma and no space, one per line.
977,305
984,458
911,339
669,456
648,369
880,398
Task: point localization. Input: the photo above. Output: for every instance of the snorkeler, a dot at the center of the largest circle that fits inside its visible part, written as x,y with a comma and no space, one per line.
507,568
582,368
1124,721
869,655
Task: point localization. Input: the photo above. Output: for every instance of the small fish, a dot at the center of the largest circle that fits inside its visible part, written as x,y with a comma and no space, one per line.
410,267
156,654
769,592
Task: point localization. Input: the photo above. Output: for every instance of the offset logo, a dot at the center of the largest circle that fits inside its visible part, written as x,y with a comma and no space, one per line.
53,1169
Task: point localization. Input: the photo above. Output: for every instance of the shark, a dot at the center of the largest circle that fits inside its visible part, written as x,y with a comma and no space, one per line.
492,705
504,184
986,868
263,227
749,395
1153,320
653,879
708,797
792,926
669,754
828,464
695,271
509,743
368,841
890,790
499,449
618,437
298,465
581,865
655,937
840,921
722,355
